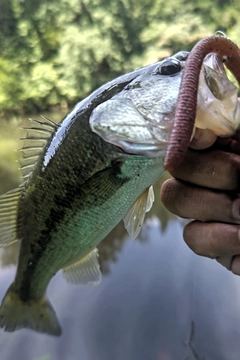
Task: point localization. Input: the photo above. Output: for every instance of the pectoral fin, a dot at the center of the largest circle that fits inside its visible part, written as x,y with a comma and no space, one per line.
84,271
134,218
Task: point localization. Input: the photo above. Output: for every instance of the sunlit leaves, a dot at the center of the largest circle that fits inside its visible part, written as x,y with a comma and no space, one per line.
60,50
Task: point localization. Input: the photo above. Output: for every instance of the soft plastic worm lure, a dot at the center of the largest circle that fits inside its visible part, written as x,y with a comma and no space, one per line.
187,100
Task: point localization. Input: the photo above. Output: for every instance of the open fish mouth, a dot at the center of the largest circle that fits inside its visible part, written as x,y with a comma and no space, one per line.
218,105
216,78
140,118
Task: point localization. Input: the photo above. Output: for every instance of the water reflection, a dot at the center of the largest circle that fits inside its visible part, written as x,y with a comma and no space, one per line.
143,309
157,301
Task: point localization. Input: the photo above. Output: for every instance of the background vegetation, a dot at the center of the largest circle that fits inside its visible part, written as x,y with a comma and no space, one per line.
56,52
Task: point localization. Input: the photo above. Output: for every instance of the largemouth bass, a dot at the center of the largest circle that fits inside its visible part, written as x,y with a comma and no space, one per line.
81,177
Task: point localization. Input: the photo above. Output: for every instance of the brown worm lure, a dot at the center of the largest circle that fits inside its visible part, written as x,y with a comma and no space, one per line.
187,99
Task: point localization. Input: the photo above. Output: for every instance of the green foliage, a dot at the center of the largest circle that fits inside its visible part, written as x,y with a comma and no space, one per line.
60,50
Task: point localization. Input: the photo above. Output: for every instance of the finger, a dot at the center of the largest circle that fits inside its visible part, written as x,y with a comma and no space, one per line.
225,261
212,239
235,266
231,263
237,136
230,145
188,201
210,168
203,139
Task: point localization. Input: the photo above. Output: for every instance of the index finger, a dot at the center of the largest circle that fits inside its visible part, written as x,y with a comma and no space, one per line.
210,168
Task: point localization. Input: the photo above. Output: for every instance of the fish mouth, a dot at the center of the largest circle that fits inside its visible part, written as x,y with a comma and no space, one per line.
216,77
218,105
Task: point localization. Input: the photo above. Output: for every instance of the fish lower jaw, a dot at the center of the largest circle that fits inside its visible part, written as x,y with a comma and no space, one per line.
148,150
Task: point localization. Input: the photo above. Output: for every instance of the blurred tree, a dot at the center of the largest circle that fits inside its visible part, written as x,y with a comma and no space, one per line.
33,40
61,50
110,38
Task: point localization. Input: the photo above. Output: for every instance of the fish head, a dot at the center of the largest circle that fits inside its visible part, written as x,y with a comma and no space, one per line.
139,118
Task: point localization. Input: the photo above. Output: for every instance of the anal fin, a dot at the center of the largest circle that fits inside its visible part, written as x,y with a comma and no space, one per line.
84,271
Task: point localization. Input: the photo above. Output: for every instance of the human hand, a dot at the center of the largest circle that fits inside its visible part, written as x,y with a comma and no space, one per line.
206,188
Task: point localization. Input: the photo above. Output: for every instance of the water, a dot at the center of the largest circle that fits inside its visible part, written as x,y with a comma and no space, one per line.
157,300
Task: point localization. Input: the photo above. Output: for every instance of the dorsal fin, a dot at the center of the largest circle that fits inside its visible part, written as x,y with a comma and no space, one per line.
36,139
134,218
8,216
84,271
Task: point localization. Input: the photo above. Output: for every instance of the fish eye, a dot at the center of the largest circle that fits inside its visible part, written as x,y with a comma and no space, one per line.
170,67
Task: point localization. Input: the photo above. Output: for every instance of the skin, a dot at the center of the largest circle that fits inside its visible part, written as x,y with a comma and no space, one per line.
206,184
205,188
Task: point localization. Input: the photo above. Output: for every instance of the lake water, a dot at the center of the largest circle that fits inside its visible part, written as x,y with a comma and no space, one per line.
157,299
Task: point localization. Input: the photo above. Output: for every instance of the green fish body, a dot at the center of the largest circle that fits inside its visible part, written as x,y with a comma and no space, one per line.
81,178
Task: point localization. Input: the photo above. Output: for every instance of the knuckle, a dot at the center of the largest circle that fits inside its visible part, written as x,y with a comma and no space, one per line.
234,169
225,261
236,272
236,236
168,193
235,266
191,235
166,189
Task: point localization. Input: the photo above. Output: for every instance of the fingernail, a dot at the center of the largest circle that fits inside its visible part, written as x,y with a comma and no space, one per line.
236,209
236,265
